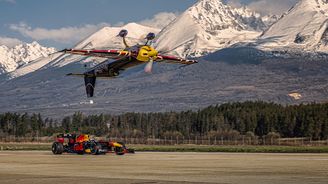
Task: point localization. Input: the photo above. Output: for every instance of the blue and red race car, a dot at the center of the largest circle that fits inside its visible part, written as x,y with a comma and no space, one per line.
82,144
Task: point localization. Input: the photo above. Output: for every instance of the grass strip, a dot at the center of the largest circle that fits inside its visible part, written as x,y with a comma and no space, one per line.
232,149
25,146
183,148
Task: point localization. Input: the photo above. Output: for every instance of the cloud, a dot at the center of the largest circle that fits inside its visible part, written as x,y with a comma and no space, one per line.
265,7
235,3
276,7
9,42
160,20
73,34
61,35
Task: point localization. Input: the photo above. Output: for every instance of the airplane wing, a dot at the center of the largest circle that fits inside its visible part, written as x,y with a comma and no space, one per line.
110,68
174,60
112,54
113,68
106,69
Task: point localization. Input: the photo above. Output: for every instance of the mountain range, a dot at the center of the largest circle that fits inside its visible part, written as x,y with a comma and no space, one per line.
208,26
13,58
105,38
234,48
303,27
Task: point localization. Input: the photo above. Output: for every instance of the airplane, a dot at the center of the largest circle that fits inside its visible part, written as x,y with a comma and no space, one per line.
129,57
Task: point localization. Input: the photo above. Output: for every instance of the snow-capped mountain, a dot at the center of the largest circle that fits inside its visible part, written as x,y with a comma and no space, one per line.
11,58
207,26
105,38
304,27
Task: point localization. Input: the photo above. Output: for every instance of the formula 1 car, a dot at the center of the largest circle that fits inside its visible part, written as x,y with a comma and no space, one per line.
82,144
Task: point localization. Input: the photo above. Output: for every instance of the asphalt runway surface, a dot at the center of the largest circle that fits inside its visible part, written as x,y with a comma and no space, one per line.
39,167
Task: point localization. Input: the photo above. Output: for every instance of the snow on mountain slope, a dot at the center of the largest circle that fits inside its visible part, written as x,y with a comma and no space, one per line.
7,62
268,20
33,66
11,58
305,26
208,26
105,38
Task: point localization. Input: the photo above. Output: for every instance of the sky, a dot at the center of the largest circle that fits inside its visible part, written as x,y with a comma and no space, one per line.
62,23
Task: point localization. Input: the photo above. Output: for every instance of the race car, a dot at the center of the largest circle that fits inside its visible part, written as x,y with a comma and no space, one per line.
115,147
82,144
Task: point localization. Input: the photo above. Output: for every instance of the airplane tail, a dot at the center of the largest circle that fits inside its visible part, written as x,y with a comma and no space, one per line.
89,81
90,84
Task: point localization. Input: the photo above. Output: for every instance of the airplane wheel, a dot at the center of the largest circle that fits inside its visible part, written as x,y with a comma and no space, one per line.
57,148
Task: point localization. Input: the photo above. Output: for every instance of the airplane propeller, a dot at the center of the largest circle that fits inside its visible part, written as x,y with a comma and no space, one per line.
149,66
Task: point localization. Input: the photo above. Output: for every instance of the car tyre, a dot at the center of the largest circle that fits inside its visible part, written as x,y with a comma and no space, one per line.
57,148
96,149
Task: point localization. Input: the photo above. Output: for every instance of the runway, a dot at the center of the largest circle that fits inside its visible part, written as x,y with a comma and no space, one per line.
157,168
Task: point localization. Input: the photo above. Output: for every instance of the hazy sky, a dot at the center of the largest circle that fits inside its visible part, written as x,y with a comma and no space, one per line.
61,23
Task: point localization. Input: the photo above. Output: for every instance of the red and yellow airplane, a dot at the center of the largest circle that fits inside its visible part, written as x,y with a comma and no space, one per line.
123,59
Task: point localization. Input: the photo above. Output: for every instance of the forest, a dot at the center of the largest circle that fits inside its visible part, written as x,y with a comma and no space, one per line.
220,121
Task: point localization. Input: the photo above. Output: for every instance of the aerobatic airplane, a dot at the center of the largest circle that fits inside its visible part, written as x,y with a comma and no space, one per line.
123,59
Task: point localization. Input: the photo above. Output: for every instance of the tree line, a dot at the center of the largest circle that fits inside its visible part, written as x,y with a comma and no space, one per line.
221,121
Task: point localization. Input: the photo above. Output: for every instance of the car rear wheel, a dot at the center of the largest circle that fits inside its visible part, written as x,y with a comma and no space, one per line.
57,148
96,149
